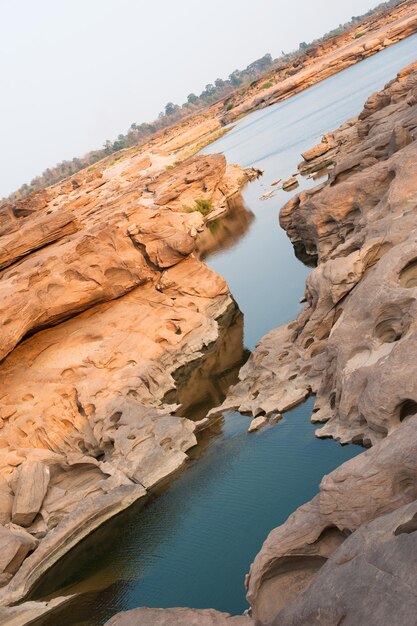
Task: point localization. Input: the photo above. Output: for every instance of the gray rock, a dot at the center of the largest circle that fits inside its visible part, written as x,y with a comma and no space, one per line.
177,617
31,489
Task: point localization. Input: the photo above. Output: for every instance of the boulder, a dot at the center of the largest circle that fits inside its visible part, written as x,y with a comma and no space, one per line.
257,423
32,485
15,545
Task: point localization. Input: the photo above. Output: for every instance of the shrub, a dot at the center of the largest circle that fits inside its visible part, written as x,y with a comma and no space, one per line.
266,85
202,205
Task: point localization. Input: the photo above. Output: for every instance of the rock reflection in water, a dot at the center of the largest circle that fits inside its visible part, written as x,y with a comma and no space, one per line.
203,385
225,231
87,570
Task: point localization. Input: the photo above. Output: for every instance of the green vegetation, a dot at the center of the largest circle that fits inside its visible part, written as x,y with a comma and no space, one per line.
360,33
264,67
202,205
214,226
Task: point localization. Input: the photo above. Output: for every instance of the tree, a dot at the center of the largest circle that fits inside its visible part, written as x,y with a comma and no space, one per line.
235,78
171,108
219,83
192,98
303,45
209,90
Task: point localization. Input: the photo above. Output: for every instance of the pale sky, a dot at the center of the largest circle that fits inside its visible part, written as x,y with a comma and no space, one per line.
74,73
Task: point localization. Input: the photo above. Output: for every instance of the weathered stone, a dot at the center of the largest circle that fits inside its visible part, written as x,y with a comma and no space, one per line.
123,305
369,579
257,423
15,544
353,346
6,502
290,183
32,485
177,617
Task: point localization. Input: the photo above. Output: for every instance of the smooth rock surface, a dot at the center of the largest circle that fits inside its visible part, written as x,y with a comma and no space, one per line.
177,617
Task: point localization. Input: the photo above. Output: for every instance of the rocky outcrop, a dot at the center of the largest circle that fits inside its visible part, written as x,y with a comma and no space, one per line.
359,229
370,579
177,617
352,347
103,302
377,482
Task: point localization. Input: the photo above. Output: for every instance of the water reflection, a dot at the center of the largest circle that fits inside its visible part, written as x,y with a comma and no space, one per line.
203,385
226,231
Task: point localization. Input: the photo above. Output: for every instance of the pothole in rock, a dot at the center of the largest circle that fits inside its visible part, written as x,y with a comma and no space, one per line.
408,275
392,323
408,527
406,409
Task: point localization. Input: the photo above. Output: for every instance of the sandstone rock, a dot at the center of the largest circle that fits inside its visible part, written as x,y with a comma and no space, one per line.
32,484
15,544
257,423
102,264
43,230
352,347
267,195
290,183
177,617
27,612
165,246
196,178
359,228
6,502
378,481
317,151
369,579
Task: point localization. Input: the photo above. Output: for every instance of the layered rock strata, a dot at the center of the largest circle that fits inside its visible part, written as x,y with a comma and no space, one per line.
103,300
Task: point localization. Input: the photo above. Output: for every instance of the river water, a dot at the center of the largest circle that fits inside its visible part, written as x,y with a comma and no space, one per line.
193,544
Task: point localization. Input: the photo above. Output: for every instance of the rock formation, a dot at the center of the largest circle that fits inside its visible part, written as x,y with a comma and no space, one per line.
103,301
177,617
346,555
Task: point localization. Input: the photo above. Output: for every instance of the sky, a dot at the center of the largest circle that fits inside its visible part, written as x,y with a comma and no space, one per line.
74,73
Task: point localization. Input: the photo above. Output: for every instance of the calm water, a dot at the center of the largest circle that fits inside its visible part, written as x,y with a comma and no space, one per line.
193,544
262,271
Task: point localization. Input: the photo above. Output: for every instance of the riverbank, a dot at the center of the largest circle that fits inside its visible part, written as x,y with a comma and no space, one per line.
103,302
370,36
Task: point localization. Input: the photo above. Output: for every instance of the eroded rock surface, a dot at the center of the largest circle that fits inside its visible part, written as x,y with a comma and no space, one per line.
103,301
352,344
345,556
330,56
177,617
